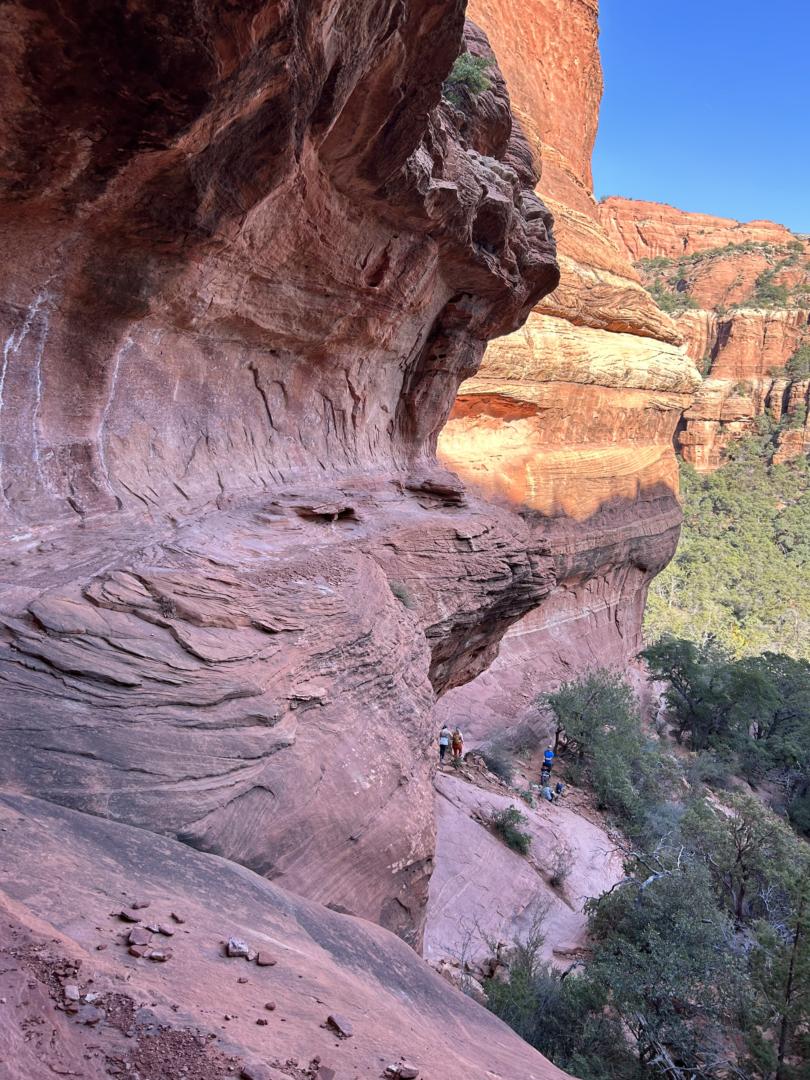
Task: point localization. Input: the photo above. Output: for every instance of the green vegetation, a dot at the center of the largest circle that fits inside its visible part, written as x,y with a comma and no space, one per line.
468,76
668,279
798,366
740,572
402,593
671,300
599,729
507,824
498,762
751,714
700,962
766,292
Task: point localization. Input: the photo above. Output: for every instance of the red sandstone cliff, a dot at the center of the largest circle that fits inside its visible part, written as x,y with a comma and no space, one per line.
250,254
740,295
571,418
243,280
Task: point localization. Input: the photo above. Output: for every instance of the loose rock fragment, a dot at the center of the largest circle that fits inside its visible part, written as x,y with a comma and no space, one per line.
72,992
256,1072
265,959
89,1014
262,1021
237,947
139,904
138,951
270,1006
177,918
341,1025
160,955
128,916
139,935
167,930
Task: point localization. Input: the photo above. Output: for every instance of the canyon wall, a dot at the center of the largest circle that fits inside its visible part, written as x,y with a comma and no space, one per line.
740,296
243,280
571,418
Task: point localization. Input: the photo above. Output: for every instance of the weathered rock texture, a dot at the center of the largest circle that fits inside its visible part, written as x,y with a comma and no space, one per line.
740,295
196,1014
571,418
244,275
482,892
649,229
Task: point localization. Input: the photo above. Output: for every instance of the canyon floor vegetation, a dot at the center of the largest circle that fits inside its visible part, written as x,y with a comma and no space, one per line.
700,961
739,575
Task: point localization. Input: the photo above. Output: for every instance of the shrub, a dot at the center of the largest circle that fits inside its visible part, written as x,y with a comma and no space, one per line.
402,593
561,864
798,366
467,76
506,823
498,762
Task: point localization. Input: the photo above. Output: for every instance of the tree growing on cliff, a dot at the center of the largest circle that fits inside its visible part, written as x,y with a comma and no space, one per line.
468,76
598,732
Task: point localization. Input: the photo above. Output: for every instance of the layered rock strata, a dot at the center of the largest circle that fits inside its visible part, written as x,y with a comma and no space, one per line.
200,1013
571,418
243,280
740,295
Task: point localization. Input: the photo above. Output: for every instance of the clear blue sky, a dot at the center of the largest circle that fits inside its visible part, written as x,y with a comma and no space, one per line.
707,106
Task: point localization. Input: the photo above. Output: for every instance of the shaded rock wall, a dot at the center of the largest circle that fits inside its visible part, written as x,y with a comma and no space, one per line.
244,278
740,294
571,418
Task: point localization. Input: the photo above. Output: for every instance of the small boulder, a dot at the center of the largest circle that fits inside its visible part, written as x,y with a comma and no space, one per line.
89,1014
128,916
72,992
270,1006
168,931
340,1025
237,947
256,1072
160,955
178,918
139,935
264,959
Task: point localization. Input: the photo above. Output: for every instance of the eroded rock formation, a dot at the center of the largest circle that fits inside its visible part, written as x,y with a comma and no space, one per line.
245,273
740,295
571,418
201,1014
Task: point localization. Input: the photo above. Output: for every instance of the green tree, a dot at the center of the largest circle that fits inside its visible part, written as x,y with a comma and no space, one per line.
467,78
780,967
598,730
663,948
744,847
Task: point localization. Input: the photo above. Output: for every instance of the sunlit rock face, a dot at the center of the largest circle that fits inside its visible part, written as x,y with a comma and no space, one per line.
571,418
747,287
244,275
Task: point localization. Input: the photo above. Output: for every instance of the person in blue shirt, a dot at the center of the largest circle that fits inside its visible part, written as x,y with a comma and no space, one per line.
548,758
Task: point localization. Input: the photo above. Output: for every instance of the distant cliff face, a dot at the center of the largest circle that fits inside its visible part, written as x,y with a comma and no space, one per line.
244,275
740,295
571,418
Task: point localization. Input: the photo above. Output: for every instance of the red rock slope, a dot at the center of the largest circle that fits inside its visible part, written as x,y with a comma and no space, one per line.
740,295
249,255
198,1013
571,418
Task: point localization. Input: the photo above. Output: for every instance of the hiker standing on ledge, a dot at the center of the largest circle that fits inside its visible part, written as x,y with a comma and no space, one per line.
458,744
548,759
444,742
